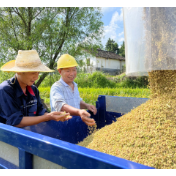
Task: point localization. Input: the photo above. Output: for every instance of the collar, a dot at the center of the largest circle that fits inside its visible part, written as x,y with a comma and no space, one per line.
30,90
19,91
65,84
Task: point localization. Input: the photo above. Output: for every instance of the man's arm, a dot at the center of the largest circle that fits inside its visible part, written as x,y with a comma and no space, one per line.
79,112
72,110
84,105
33,120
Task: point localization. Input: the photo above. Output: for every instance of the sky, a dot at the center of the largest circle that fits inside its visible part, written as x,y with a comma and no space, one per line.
113,24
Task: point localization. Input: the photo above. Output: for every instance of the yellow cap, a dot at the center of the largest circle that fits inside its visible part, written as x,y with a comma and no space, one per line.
66,61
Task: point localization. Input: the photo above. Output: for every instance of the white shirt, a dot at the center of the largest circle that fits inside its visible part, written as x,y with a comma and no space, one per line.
61,93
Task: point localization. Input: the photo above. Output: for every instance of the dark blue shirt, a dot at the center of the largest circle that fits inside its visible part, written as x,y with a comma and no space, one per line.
14,104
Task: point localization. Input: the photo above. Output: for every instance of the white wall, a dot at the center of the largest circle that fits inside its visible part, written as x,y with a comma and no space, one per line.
92,60
108,63
104,63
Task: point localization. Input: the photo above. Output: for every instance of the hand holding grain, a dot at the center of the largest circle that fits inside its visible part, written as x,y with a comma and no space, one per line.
59,116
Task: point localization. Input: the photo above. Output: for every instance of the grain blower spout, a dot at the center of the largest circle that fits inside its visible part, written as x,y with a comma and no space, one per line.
150,40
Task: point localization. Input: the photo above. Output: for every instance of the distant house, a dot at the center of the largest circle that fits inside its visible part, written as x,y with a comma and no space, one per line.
105,61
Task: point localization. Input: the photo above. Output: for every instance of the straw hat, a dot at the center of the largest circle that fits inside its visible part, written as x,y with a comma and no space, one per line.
26,61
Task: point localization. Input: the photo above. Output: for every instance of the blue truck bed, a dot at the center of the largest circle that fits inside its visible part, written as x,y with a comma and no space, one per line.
53,144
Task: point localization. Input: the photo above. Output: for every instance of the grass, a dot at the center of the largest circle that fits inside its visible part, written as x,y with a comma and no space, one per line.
45,94
100,80
90,95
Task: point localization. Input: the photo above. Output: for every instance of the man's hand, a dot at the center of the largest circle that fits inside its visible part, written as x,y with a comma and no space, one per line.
59,116
85,116
84,105
92,108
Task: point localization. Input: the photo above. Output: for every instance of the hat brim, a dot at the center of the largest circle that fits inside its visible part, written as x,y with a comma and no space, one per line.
75,65
11,67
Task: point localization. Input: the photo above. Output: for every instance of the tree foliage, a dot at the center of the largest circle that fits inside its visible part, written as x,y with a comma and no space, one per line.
112,46
122,50
51,31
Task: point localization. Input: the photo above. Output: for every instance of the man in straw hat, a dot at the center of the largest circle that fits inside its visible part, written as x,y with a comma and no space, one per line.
64,94
20,103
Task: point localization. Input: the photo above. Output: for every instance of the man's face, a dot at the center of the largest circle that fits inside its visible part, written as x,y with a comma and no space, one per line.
28,78
68,74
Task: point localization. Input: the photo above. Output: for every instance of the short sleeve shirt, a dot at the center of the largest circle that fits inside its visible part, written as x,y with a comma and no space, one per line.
14,104
61,93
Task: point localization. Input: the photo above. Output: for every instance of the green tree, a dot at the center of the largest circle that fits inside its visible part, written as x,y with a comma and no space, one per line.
112,46
51,31
122,50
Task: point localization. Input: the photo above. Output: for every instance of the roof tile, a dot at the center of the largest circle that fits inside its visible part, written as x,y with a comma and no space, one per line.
108,55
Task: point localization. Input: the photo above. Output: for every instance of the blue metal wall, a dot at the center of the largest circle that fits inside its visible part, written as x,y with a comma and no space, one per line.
63,153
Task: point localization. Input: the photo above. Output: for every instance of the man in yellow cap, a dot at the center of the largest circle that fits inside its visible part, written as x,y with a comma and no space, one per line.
20,103
64,94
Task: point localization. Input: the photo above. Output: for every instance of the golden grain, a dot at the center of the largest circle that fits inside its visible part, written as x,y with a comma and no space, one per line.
147,134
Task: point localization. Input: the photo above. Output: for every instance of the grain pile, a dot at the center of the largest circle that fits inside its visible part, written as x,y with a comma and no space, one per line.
147,134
